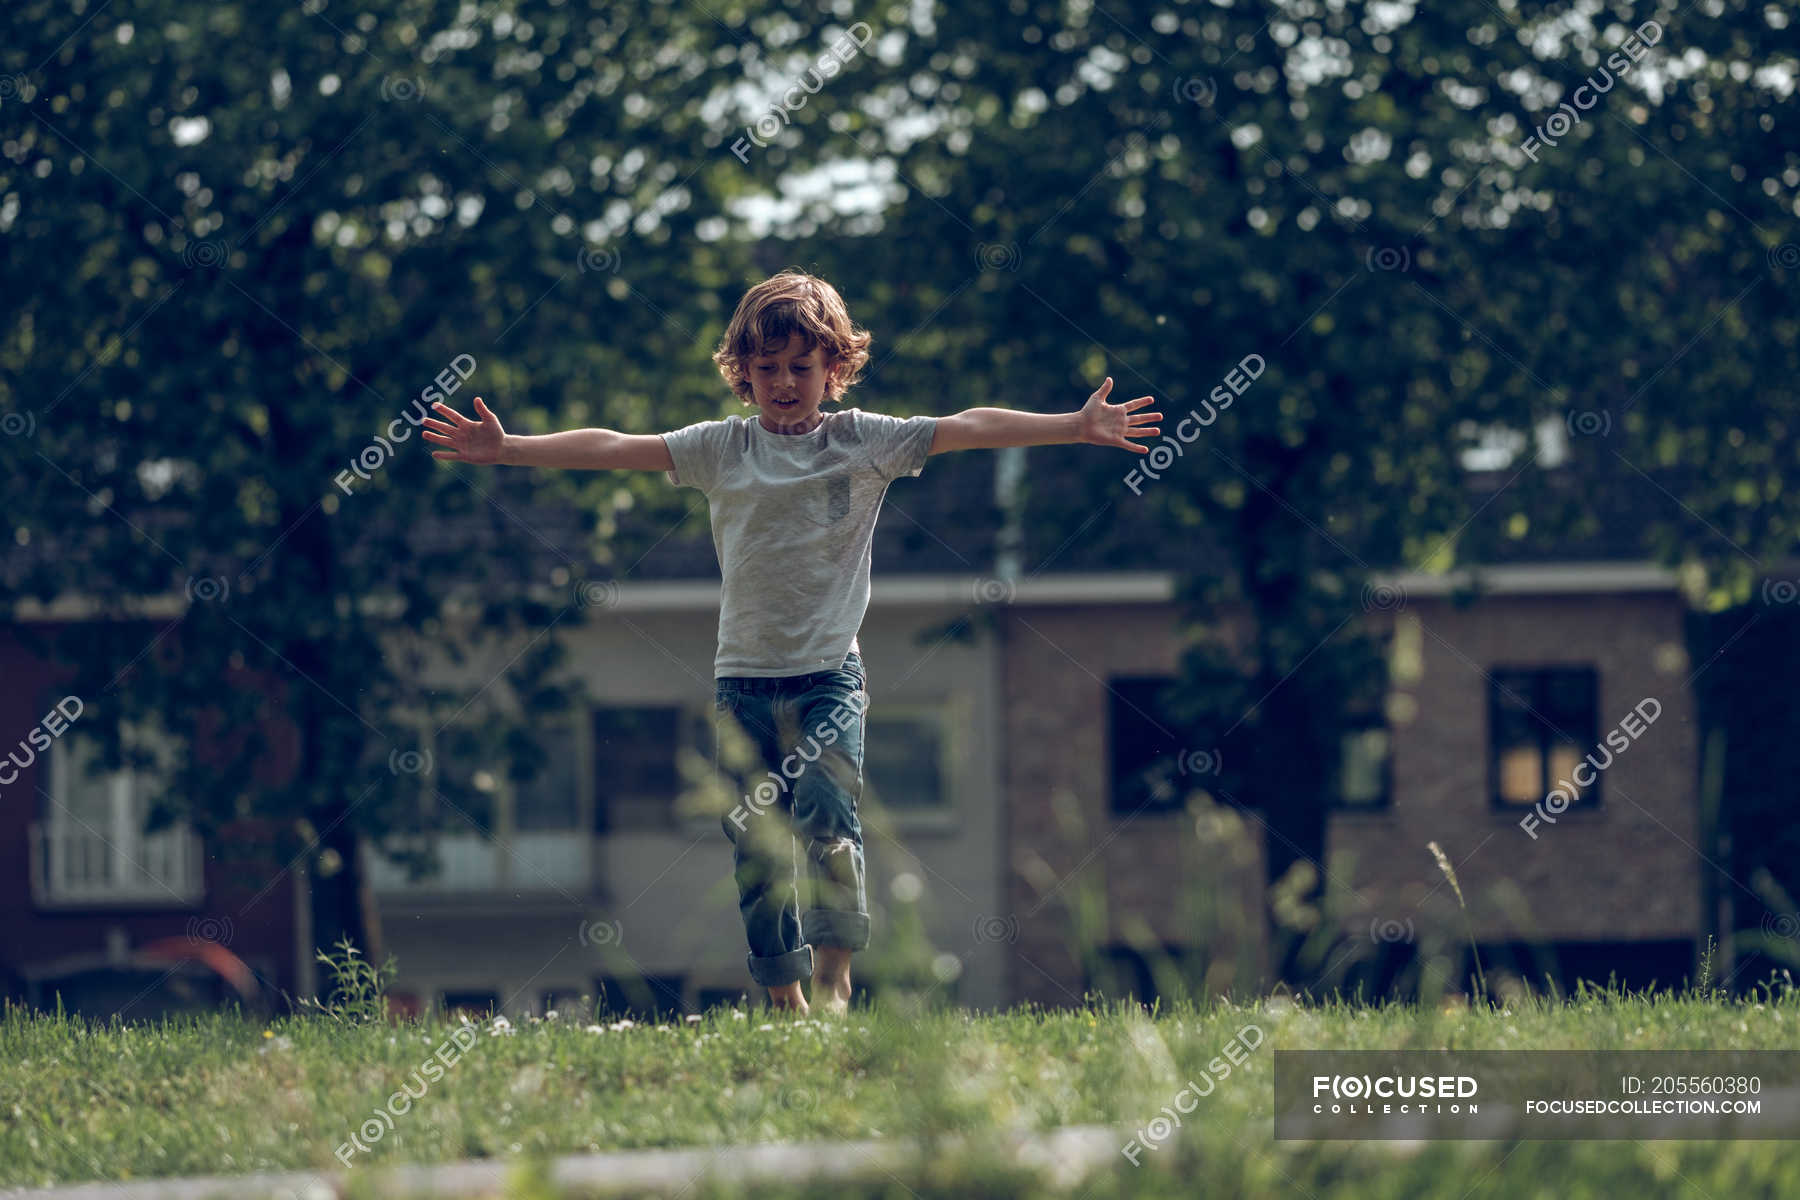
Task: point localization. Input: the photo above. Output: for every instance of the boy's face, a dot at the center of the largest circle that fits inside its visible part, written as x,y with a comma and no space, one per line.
788,383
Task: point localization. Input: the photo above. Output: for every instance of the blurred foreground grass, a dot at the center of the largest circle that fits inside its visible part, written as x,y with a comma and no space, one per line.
219,1095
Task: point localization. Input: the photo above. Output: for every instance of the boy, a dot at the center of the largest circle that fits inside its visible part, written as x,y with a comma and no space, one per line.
793,494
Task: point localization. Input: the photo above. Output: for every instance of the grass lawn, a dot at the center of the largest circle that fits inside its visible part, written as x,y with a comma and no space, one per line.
220,1096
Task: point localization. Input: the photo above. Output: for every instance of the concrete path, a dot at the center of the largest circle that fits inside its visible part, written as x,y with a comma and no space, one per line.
1062,1158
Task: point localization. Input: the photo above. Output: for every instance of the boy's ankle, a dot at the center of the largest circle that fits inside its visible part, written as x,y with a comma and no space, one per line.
831,971
832,990
788,996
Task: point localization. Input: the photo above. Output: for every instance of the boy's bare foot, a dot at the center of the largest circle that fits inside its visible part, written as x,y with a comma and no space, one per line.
788,996
831,978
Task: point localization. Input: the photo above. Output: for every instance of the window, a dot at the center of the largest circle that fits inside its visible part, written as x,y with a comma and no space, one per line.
1662,964
904,760
1146,756
464,785
132,993
498,812
1119,971
479,1005
641,997
709,998
1498,447
109,800
524,783
1364,778
91,846
636,780
549,801
1541,721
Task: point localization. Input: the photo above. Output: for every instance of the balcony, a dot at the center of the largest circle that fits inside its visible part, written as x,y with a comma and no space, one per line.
471,865
77,866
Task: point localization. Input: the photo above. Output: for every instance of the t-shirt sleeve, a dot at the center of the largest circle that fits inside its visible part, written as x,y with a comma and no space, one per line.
896,446
697,450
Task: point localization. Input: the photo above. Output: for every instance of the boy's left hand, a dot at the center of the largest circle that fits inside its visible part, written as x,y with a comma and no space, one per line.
1104,424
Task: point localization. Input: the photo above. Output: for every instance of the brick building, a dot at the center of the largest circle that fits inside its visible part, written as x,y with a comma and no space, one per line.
1482,697
101,913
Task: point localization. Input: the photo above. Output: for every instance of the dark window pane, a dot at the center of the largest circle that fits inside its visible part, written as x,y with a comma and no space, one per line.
552,800
641,997
1119,971
1515,726
1542,722
1518,739
1517,689
710,998
1145,752
476,1004
466,779
903,761
1569,704
635,775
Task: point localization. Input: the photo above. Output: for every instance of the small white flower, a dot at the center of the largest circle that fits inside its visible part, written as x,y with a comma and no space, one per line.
550,1015
736,1015
764,1027
694,1018
501,1026
595,1029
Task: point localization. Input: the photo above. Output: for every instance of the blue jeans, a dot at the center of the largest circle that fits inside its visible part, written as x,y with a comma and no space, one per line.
808,732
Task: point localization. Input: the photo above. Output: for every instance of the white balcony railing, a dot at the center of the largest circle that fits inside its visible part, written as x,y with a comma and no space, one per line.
532,862
76,865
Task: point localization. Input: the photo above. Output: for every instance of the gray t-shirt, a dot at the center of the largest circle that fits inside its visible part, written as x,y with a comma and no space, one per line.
793,517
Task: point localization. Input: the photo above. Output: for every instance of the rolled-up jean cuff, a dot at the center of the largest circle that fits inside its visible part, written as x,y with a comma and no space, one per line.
782,969
831,927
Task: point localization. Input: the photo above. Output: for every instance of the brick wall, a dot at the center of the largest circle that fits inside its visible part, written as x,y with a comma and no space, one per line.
1075,874
1627,871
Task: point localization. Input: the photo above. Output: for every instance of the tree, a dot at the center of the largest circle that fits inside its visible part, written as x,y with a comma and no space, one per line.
247,250
1159,191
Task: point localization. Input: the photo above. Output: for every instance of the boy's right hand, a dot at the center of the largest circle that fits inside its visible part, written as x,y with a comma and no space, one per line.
469,441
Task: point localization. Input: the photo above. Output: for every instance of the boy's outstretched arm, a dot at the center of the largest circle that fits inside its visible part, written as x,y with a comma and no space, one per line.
1097,423
484,440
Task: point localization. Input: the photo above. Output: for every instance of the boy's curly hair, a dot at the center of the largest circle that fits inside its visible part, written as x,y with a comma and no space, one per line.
784,305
